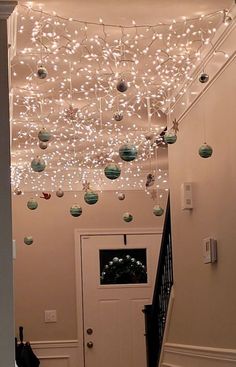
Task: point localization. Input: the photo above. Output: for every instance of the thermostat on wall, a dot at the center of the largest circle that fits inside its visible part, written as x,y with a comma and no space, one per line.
186,196
209,250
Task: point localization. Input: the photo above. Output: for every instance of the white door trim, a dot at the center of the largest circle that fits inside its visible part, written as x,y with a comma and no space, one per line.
79,233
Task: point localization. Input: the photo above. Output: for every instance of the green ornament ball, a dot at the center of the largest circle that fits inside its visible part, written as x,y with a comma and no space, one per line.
75,210
28,240
170,138
127,217
158,210
44,135
90,197
38,164
205,151
112,171
32,204
128,152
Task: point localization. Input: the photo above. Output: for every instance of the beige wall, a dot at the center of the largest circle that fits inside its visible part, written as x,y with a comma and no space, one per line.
45,271
205,298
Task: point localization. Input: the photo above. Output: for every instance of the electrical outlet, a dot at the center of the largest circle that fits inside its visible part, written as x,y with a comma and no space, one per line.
50,316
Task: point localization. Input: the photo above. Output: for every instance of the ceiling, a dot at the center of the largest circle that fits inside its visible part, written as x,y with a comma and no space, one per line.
85,78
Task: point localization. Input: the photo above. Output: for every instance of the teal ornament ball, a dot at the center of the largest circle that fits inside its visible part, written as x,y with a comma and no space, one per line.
127,217
42,72
32,204
112,171
158,210
128,152
90,197
28,240
170,138
38,164
75,210
44,135
205,151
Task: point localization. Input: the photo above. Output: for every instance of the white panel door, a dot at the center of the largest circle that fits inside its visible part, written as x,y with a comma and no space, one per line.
114,324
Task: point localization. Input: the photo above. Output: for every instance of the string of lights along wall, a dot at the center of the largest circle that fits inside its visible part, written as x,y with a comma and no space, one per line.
92,102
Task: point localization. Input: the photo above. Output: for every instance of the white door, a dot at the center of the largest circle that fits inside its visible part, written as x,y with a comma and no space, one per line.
114,324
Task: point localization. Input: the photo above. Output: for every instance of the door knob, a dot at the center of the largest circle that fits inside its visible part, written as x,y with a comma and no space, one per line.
90,344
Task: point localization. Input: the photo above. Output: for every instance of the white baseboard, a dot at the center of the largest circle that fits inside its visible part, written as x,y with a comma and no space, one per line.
182,355
58,353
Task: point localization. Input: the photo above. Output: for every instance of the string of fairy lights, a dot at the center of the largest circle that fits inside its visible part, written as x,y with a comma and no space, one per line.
92,88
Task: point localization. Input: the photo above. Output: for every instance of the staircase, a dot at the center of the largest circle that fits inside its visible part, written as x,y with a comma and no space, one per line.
156,313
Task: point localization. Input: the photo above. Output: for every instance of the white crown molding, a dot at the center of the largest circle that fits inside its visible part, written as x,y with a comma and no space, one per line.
6,8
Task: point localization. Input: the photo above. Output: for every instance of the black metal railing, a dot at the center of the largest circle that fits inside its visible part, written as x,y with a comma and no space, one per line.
156,313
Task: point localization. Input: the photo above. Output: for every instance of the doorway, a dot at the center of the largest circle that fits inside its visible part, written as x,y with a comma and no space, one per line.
117,279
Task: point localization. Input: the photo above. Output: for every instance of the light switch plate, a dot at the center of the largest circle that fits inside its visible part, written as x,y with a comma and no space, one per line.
50,316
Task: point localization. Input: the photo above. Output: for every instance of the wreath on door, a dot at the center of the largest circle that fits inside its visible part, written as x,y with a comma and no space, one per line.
124,270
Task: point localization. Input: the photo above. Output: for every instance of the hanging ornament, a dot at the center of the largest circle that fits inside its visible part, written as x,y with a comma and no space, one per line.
150,180
32,204
127,217
86,185
149,136
91,197
46,195
28,240
17,191
42,72
154,194
170,137
44,135
43,145
112,171
71,113
38,164
203,78
122,86
121,196
205,151
128,152
75,210
158,210
59,193
175,126
118,116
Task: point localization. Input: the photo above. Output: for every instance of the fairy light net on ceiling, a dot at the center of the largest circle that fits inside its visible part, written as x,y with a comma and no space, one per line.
78,98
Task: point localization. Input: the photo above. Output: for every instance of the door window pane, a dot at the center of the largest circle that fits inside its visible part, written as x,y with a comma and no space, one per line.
123,266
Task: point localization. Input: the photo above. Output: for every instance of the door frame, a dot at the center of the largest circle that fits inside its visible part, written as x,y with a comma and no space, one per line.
79,233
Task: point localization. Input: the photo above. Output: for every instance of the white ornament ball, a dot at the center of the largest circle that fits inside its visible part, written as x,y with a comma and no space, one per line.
28,240
43,145
121,196
60,193
17,191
